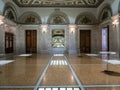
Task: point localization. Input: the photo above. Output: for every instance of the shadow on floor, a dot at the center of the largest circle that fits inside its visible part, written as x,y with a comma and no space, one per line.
112,73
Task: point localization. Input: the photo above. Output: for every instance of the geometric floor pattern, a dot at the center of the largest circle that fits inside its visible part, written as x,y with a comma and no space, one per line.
60,88
58,62
59,72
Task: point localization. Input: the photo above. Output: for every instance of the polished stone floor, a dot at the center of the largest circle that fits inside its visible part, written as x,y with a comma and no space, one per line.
59,71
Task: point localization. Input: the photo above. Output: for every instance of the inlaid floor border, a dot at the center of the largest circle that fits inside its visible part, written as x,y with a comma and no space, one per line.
74,74
101,86
85,86
19,87
43,74
80,85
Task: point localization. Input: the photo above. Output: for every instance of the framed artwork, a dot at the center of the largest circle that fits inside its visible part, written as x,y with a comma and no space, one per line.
58,38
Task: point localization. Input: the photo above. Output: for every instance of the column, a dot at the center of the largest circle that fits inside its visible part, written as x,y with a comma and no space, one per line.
116,26
72,39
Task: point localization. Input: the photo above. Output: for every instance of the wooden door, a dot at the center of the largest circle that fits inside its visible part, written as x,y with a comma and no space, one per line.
31,41
9,42
85,41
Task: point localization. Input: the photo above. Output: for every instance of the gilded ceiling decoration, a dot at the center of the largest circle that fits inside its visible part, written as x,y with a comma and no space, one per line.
58,3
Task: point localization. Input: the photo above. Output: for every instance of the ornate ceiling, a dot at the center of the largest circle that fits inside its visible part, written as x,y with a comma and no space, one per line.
58,3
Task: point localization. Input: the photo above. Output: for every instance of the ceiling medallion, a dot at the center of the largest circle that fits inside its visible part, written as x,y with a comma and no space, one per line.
58,3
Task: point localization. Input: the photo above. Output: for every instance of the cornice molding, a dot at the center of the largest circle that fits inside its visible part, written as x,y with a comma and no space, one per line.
59,3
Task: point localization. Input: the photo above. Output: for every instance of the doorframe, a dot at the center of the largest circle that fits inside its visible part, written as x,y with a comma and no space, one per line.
79,51
58,50
26,39
107,37
9,42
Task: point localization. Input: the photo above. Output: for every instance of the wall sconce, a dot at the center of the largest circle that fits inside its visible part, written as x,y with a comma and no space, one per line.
1,20
115,23
44,28
72,28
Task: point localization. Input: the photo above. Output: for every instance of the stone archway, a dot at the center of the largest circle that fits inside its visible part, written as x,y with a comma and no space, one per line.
105,13
10,12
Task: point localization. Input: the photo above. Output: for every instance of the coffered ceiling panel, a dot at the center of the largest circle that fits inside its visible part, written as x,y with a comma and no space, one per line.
58,3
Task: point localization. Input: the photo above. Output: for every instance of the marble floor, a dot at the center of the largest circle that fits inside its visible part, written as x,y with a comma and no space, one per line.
59,72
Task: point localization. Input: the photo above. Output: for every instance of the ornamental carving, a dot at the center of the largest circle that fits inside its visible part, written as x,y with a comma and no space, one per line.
58,3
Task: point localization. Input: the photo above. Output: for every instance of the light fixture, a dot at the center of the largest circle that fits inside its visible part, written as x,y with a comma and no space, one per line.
115,23
1,20
72,28
44,28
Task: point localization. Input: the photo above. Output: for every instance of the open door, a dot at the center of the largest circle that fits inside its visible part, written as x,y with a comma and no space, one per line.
85,41
31,41
105,39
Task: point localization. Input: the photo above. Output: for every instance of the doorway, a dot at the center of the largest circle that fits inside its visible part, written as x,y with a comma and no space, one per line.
31,41
85,41
9,42
58,41
105,38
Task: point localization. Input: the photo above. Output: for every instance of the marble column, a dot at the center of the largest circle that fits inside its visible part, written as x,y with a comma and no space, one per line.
2,39
116,26
72,39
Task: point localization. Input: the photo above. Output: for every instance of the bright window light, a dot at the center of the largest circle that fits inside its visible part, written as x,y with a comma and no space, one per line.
58,62
48,88
76,88
115,62
58,55
3,62
55,89
25,55
62,88
91,54
41,89
69,88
